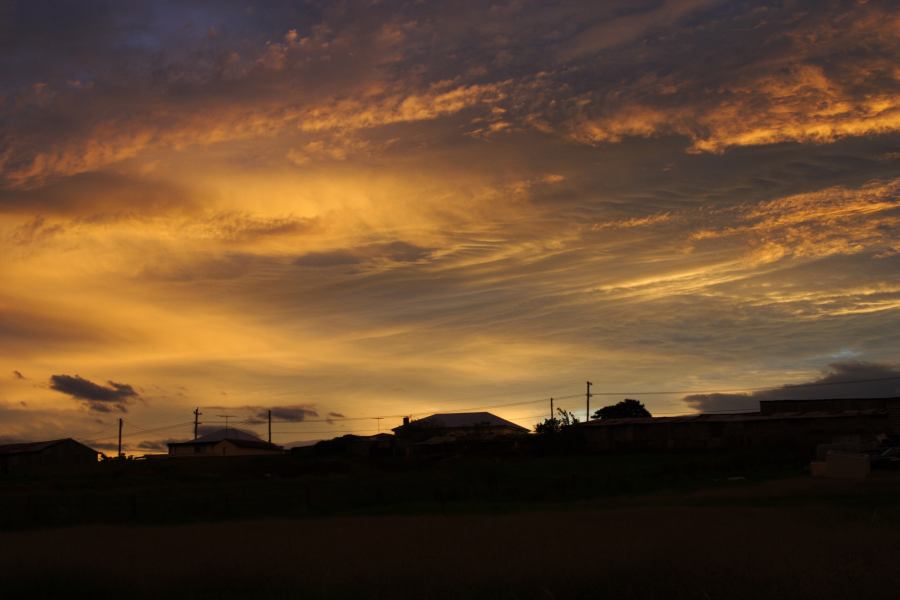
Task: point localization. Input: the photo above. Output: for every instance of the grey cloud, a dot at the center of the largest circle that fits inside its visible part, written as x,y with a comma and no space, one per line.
399,252
29,331
157,445
98,398
285,413
259,414
107,446
841,380
99,198
336,258
35,231
205,429
402,251
595,95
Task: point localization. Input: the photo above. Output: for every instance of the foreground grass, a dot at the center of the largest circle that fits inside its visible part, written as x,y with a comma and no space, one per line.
640,526
650,551
185,492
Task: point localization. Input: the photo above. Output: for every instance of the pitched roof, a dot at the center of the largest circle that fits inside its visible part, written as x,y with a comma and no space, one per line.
238,437
228,433
33,447
462,420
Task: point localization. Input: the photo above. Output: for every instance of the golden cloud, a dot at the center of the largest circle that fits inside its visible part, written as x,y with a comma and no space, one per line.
836,220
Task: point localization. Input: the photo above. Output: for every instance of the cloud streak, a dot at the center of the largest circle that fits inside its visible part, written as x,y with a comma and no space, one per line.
473,204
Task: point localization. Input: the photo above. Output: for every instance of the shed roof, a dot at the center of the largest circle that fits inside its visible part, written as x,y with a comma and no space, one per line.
34,447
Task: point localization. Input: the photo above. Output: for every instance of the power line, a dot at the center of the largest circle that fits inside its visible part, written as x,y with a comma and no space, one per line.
160,428
378,418
409,414
326,431
593,393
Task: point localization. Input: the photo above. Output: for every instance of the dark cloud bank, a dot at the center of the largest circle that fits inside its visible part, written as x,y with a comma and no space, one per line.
840,380
99,398
283,413
260,414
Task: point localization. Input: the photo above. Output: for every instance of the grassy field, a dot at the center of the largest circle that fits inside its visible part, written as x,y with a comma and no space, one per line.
204,490
781,538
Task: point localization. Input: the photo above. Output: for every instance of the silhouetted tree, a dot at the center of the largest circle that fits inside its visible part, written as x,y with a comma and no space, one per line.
625,409
555,424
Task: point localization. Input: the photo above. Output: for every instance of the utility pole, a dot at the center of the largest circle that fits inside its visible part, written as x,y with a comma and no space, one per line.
587,398
551,409
378,421
270,425
226,417
120,437
197,414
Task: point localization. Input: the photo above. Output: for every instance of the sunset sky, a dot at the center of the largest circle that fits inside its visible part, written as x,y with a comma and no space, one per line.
350,209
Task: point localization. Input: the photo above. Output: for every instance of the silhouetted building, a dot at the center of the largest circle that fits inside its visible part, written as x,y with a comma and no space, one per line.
798,430
454,426
65,455
380,444
224,442
889,406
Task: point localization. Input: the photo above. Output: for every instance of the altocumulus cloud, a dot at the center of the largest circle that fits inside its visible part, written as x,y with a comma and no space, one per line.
99,398
840,380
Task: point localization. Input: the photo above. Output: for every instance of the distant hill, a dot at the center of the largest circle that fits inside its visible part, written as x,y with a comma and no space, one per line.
302,444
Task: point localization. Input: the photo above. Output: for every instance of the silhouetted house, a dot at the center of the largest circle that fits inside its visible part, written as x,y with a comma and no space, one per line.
448,427
797,430
54,456
224,442
380,444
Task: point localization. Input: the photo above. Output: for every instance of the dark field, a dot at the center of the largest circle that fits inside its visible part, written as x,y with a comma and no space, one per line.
782,538
186,491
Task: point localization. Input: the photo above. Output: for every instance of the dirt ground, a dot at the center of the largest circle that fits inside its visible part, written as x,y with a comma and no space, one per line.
769,540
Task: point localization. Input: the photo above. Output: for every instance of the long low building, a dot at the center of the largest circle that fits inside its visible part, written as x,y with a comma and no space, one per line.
890,406
798,429
53,456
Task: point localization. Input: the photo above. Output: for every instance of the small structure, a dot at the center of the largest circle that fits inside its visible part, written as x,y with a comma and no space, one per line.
454,426
54,456
842,465
225,442
380,444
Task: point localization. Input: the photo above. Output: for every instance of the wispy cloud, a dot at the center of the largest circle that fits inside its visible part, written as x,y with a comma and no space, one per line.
473,203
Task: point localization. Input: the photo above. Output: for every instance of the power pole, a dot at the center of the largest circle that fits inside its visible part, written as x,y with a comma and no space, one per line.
226,417
270,426
120,437
551,409
197,414
587,398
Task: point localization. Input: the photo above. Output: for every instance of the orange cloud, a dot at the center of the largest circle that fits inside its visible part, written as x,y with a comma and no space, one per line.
821,223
